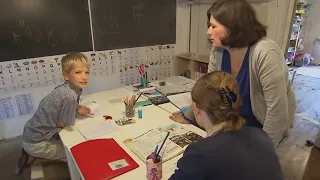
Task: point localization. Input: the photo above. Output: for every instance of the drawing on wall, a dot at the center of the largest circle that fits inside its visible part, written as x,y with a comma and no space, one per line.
6,108
121,63
24,104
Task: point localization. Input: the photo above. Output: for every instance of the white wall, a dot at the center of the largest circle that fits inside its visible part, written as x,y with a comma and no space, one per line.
183,23
312,30
14,126
275,14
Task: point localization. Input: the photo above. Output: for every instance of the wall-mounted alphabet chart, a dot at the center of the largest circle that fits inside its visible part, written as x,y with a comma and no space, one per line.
45,71
40,72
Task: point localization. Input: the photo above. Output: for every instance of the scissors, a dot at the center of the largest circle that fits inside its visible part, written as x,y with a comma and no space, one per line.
141,69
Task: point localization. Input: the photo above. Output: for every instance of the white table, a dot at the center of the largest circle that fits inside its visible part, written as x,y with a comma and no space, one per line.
153,117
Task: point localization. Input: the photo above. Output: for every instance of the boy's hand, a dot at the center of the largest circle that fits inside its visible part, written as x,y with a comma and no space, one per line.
60,125
82,110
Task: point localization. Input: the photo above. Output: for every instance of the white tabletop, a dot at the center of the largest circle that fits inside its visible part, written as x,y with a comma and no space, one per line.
152,118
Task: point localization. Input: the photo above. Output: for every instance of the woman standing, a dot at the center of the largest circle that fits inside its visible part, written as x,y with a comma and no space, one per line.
241,49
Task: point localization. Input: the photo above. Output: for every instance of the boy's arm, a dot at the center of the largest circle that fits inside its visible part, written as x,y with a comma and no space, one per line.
67,113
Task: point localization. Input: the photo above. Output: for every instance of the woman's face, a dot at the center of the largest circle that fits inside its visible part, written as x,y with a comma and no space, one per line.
197,115
216,32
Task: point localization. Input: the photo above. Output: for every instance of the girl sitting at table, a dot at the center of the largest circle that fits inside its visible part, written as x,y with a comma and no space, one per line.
230,149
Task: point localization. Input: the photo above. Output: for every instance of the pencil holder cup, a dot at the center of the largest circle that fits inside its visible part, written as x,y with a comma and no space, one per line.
144,82
129,111
154,169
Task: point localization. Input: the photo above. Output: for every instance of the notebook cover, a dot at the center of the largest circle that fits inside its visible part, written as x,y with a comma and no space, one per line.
142,103
102,159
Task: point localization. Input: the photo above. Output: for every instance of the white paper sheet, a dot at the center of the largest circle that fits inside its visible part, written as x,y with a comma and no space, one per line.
98,129
181,100
179,80
170,166
173,89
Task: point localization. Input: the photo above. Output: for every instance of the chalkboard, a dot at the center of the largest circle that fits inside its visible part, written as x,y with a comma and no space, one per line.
133,23
35,28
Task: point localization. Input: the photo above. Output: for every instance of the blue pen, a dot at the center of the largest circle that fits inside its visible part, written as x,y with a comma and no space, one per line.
156,149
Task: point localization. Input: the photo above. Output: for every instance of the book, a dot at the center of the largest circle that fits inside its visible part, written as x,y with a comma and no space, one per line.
175,145
152,93
181,100
102,159
142,103
138,88
175,89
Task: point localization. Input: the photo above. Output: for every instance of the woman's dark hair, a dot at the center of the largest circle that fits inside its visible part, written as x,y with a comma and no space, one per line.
240,19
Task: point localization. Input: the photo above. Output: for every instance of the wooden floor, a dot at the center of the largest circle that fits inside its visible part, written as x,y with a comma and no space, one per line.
299,161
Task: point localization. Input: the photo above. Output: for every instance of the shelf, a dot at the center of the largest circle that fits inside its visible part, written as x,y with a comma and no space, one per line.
190,62
191,56
300,11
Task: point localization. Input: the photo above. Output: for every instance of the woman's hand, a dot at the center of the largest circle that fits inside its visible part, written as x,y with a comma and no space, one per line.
82,110
178,117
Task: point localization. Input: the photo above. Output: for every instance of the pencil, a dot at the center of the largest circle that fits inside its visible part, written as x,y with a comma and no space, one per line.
163,142
137,99
124,101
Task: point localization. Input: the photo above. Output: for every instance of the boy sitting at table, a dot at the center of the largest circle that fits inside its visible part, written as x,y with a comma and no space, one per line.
57,110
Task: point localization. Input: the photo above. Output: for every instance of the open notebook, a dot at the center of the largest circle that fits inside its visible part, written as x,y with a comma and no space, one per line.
175,145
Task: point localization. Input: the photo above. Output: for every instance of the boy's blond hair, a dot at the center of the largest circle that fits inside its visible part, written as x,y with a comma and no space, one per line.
206,94
72,58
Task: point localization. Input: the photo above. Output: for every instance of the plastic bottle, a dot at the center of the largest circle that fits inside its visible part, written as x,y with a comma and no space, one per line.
139,112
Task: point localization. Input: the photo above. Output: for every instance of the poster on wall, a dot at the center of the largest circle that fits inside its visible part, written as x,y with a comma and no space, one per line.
19,105
24,104
6,108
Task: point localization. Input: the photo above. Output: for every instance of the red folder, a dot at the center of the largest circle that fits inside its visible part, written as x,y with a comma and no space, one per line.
102,159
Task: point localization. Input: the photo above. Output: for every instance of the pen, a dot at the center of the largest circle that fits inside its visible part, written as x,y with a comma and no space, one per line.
155,151
163,142
137,99
164,150
153,156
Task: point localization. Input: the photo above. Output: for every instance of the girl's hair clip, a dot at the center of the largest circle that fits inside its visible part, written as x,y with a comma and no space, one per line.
226,98
232,94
